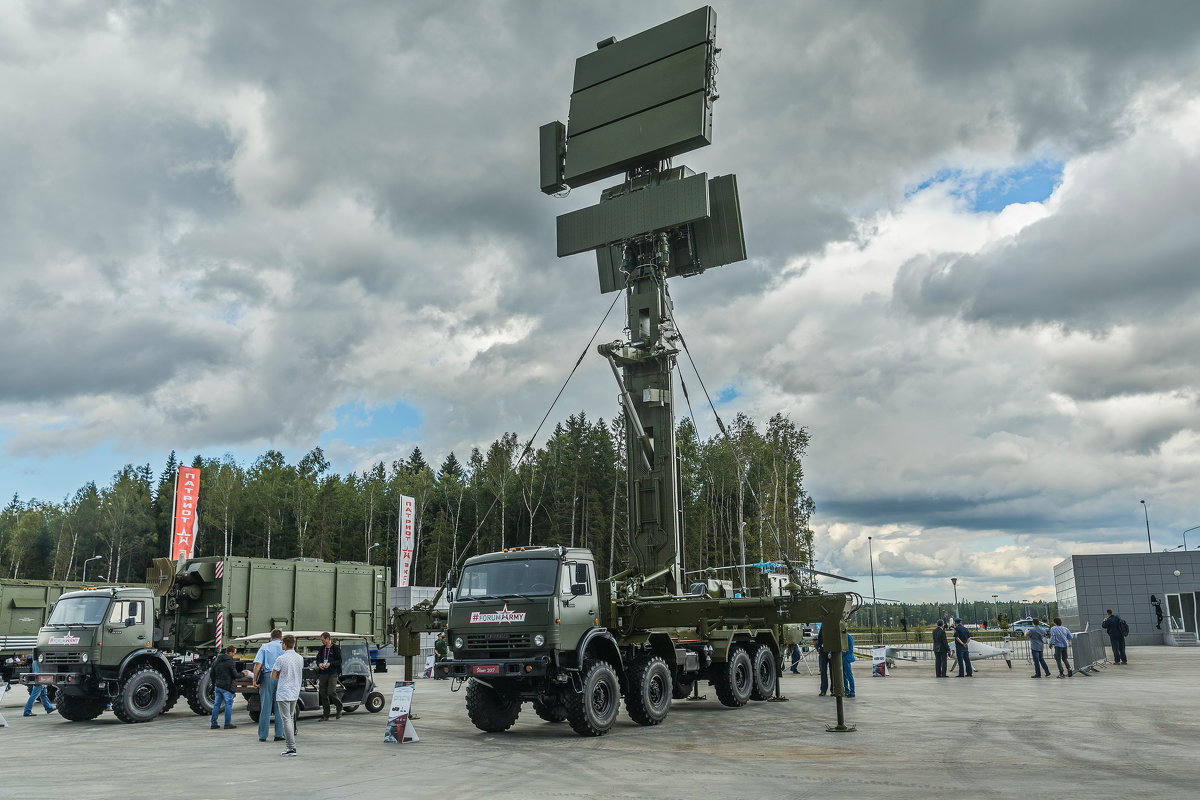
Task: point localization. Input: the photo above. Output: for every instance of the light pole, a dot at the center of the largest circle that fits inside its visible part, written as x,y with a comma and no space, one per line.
874,605
996,609
369,549
1143,502
85,563
1185,533
954,582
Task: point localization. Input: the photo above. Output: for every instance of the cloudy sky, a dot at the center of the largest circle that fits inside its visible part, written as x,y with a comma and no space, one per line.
974,231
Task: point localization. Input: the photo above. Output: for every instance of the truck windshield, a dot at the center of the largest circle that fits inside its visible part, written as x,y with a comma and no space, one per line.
79,611
533,578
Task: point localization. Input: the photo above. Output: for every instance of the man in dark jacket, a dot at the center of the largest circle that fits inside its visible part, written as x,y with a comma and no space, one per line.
823,657
962,652
941,650
329,669
224,673
1112,624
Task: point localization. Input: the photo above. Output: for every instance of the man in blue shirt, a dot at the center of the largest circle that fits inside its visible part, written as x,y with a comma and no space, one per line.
264,662
962,653
1060,638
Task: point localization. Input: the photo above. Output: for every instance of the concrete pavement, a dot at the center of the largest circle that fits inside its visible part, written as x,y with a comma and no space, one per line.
1128,731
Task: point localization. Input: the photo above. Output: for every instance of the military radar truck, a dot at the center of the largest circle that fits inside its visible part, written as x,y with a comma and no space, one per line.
141,649
535,625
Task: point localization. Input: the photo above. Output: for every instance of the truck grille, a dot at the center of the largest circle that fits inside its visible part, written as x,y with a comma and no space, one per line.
62,658
498,641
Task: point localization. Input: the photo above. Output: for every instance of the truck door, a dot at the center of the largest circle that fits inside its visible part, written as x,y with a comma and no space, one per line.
125,630
579,611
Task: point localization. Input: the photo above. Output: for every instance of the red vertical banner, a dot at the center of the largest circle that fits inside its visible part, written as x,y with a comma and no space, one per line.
187,493
404,551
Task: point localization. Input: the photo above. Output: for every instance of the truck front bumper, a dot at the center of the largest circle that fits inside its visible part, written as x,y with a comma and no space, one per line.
534,667
70,682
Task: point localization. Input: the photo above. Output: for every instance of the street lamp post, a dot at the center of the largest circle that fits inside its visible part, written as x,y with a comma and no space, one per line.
1143,502
85,563
369,549
874,605
954,582
1185,533
996,609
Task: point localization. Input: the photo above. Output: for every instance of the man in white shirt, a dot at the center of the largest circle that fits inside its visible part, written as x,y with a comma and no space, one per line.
288,673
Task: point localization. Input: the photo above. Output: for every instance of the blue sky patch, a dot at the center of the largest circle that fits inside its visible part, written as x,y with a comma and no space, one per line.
726,394
359,425
993,190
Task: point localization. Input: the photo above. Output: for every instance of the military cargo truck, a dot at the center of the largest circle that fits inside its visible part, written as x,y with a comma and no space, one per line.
141,649
24,606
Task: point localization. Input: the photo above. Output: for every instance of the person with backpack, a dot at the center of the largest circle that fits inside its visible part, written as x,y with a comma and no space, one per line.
1117,629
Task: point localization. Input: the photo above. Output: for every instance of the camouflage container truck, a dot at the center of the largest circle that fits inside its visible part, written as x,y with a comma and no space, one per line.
141,649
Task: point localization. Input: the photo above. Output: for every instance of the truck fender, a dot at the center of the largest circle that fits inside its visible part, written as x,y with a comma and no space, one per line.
599,643
135,660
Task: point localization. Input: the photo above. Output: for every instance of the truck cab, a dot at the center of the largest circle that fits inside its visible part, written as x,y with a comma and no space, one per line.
93,641
521,613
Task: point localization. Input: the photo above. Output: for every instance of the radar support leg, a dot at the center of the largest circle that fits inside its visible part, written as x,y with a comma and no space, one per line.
841,726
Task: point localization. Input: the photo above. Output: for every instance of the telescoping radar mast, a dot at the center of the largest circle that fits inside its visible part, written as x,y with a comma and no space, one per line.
635,105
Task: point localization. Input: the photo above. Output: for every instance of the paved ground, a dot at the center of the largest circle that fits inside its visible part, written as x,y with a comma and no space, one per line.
1128,731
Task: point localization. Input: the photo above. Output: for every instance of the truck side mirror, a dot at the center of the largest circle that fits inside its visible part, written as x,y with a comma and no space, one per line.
578,589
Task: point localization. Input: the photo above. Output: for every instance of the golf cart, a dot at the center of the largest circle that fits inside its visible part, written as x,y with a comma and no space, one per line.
355,687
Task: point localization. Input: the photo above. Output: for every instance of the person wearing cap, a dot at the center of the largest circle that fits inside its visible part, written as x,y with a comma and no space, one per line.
962,653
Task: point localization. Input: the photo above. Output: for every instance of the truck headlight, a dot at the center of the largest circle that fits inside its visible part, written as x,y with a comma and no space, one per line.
458,643
538,640
84,658
41,657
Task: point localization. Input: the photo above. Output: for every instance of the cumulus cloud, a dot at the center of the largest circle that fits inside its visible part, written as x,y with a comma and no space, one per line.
223,222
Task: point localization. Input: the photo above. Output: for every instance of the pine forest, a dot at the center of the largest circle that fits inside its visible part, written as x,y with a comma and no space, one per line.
570,491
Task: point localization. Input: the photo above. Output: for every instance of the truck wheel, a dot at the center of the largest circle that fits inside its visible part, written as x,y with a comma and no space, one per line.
553,709
734,680
172,697
765,676
375,702
143,695
682,689
489,710
649,696
592,711
199,693
80,709
253,706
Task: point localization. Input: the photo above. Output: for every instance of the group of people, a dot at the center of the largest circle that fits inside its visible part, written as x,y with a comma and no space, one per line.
824,657
1059,638
278,675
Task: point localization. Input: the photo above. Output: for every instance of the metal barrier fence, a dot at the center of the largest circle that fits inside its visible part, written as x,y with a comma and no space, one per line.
1088,651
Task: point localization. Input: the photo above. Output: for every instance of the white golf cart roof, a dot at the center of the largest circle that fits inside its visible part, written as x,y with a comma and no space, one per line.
266,637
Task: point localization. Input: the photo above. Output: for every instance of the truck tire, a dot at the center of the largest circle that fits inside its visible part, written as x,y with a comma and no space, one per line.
199,693
765,674
80,709
253,706
552,709
375,702
682,688
649,697
172,697
489,710
734,680
592,711
142,697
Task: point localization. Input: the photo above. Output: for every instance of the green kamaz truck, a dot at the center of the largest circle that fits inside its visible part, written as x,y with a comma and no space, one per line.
24,607
141,649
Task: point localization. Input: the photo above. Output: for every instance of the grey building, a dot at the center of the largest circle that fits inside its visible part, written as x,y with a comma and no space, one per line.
1087,585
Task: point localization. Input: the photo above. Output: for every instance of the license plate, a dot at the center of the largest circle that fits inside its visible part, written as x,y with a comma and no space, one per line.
485,669
45,679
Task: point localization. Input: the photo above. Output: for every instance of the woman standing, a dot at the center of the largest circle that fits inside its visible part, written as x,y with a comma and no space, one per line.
847,661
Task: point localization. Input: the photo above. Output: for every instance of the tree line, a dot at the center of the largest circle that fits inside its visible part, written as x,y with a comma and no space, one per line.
570,491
